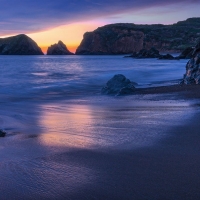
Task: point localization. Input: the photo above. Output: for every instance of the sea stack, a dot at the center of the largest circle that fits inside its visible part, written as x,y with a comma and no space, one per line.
19,45
58,49
192,75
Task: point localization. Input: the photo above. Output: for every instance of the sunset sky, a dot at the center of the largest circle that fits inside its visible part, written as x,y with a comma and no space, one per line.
47,21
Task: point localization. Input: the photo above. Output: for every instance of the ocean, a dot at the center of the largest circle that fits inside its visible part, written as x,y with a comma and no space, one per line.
29,76
60,129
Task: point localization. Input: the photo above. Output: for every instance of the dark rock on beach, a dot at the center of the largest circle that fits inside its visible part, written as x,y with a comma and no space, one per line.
58,49
119,85
2,133
192,75
19,45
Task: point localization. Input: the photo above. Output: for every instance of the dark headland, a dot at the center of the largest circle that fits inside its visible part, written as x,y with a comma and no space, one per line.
116,39
126,38
19,45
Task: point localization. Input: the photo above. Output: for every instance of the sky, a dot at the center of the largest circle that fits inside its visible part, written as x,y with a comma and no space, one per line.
47,21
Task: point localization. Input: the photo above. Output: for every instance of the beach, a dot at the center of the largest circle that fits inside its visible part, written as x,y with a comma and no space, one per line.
99,100
67,141
90,148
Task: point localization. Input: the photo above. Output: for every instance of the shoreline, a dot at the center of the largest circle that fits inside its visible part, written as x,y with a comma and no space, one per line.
186,92
115,149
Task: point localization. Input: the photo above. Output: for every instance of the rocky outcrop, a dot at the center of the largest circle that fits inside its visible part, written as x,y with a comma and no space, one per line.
144,53
192,75
151,53
119,85
58,49
2,133
19,45
186,53
167,57
111,40
123,38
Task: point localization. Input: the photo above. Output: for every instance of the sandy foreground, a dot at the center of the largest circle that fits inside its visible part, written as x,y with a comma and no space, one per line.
147,150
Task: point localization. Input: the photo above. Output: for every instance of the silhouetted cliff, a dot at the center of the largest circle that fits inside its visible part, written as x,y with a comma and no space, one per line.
19,45
113,39
125,38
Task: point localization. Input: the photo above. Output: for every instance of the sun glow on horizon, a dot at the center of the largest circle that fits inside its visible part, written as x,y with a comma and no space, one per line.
70,124
71,35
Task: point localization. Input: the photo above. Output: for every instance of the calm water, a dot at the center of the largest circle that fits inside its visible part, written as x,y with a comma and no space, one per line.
52,109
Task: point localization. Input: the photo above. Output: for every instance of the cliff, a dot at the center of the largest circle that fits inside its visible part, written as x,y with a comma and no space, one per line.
58,49
19,45
111,40
123,38
192,75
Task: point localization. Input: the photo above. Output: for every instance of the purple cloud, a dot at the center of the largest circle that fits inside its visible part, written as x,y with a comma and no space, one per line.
26,16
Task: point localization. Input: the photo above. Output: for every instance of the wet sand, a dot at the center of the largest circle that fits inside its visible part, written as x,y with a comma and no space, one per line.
109,164
180,91
169,169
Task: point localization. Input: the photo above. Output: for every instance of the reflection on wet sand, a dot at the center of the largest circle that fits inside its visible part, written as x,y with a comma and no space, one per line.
66,125
80,149
108,124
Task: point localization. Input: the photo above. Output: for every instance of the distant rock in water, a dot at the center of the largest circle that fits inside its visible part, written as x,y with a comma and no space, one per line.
151,53
111,40
2,133
167,57
58,49
186,53
19,45
192,75
119,85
